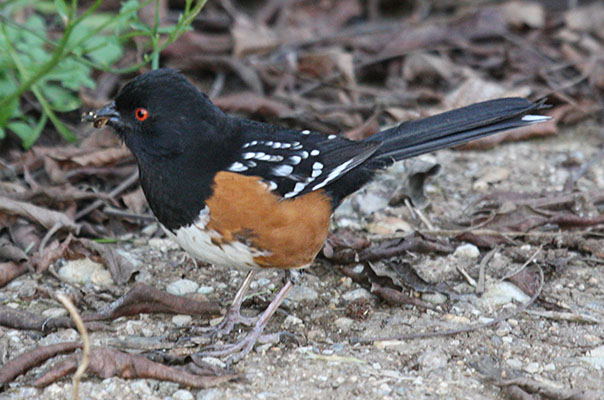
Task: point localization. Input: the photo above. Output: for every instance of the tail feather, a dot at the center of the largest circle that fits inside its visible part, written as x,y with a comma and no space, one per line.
453,128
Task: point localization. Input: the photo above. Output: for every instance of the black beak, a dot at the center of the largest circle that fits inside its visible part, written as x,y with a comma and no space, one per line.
103,116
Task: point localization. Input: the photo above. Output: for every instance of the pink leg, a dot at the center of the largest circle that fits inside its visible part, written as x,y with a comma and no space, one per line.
237,351
233,315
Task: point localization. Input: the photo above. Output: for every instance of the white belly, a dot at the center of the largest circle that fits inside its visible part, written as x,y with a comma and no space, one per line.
196,240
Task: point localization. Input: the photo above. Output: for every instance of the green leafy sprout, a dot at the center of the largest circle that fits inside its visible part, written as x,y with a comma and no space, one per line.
53,67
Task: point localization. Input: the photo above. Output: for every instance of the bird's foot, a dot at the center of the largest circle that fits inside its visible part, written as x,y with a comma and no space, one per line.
232,317
238,350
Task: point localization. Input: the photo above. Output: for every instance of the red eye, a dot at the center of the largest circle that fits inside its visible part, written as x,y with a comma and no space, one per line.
141,114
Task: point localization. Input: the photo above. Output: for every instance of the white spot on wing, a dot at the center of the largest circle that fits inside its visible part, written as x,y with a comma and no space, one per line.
269,157
237,167
315,152
283,170
333,174
536,118
295,160
297,189
331,137
305,132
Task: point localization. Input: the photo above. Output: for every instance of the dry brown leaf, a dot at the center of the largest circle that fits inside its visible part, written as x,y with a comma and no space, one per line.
136,201
10,252
102,157
490,175
24,234
423,66
250,38
10,270
251,103
328,61
100,139
194,42
41,260
474,89
43,216
54,171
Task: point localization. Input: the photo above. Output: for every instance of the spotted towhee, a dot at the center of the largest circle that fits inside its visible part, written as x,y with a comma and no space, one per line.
249,195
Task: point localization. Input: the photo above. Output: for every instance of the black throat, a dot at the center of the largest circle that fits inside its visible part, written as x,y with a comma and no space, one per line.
178,185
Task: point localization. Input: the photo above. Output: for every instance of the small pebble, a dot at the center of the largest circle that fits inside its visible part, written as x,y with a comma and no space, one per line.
182,394
434,298
210,394
532,368
205,290
302,293
292,321
54,312
182,287
357,294
502,293
358,269
432,359
468,251
263,282
140,387
344,324
384,390
84,271
217,362
514,363
181,320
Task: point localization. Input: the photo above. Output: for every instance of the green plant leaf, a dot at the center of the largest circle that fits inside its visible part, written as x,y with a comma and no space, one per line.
61,8
60,99
105,50
11,110
23,130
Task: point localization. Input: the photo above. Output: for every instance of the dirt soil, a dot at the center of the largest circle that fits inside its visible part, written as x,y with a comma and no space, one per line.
555,348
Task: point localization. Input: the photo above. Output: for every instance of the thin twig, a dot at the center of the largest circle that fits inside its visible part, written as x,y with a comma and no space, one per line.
419,213
481,270
119,189
116,212
49,234
467,277
85,342
531,258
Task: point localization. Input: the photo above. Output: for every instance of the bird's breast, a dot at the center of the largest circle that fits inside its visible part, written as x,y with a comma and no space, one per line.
245,225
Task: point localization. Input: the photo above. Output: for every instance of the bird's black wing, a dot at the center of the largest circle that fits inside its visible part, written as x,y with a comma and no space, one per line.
293,163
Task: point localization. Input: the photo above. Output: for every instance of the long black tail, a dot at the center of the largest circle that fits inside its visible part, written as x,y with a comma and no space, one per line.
452,128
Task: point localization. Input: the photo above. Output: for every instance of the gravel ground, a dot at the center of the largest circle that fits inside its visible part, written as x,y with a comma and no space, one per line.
561,353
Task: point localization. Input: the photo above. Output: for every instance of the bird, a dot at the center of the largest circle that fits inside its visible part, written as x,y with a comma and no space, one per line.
243,194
